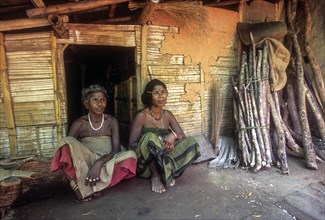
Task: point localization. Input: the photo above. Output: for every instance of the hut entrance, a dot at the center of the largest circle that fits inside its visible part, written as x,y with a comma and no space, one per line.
109,66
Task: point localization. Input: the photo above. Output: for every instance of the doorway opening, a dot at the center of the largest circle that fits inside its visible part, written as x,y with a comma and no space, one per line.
109,66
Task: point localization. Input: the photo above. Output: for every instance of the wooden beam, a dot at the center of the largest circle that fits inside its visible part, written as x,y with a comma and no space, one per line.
23,23
10,121
113,20
70,7
149,8
112,10
38,3
58,114
143,78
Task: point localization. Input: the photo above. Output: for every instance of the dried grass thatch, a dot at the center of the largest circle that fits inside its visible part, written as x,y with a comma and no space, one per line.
187,13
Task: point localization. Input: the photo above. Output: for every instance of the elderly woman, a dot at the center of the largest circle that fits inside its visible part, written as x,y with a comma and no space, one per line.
90,156
162,149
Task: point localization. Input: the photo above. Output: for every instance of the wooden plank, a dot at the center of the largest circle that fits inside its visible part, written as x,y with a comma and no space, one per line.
34,98
27,44
10,121
30,84
123,39
28,93
25,36
29,54
35,118
19,77
102,27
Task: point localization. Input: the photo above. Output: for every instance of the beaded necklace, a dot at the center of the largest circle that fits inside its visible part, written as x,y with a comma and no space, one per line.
157,119
91,124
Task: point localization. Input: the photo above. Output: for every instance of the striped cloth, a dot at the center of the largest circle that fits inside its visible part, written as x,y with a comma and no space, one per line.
170,165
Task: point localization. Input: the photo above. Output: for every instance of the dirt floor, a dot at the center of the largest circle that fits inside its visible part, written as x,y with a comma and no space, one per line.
200,193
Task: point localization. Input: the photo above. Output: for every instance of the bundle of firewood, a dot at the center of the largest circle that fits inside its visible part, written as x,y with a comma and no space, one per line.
271,122
251,107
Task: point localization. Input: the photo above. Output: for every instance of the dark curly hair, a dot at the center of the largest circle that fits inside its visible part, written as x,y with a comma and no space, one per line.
146,96
86,92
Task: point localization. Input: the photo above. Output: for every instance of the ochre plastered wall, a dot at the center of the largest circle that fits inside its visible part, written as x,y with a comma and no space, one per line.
201,45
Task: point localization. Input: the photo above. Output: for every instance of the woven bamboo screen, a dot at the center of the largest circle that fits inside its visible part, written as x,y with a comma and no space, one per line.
30,74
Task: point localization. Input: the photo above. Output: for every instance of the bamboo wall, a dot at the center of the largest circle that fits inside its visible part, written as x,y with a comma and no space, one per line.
170,69
28,58
37,86
190,59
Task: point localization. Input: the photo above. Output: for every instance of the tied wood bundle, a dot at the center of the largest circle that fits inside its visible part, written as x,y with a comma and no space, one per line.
252,113
264,134
272,120
263,137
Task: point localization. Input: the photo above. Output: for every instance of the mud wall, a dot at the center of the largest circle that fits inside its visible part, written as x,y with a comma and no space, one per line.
207,53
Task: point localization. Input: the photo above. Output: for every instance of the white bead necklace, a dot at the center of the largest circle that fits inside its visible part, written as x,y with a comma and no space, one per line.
91,125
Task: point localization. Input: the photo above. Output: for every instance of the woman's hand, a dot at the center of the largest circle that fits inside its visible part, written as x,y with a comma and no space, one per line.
169,142
93,174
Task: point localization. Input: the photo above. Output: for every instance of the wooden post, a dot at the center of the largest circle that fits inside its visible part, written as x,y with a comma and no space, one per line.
61,91
57,22
147,11
143,75
57,105
7,100
71,7
203,114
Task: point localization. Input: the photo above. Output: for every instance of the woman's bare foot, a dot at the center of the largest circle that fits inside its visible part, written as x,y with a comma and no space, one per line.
156,185
172,183
97,194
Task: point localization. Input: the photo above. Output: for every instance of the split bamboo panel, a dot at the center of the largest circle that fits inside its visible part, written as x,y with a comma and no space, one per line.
170,69
163,29
97,34
27,41
2,109
39,140
30,73
165,59
4,143
175,73
226,70
8,108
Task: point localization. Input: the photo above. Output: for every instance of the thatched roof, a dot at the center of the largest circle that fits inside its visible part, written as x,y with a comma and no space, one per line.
88,11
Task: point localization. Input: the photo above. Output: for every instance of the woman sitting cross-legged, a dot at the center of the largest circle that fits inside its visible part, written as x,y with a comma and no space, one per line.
162,149
90,156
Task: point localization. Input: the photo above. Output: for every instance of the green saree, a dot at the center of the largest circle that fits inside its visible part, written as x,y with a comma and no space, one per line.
151,147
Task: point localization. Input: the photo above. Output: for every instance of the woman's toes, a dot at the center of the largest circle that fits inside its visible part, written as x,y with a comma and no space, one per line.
156,185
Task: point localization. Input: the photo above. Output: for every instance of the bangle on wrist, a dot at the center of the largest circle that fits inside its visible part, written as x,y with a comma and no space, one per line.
175,135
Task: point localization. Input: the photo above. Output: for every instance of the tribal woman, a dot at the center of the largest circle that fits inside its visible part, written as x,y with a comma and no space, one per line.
90,156
163,151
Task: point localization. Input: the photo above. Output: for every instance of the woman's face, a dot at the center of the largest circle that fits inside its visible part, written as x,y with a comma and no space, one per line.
96,103
159,96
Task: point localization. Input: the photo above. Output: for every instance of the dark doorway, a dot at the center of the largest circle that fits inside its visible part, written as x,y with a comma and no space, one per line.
107,66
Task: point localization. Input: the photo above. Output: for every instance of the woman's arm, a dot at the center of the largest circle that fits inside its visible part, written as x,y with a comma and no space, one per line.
135,130
74,130
174,125
94,172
